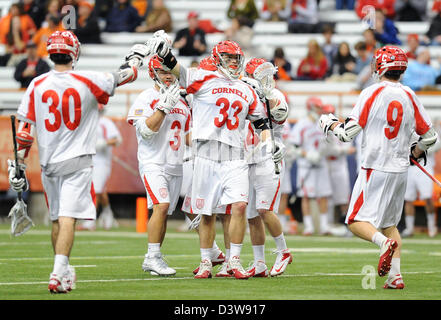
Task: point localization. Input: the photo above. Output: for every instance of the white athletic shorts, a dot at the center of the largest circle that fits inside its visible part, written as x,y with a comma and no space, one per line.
100,175
71,195
340,184
264,188
218,183
286,183
186,205
313,182
418,184
161,187
378,198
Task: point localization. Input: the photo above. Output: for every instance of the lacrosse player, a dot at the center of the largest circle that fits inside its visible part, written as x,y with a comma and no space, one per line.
264,195
313,182
162,121
108,136
61,108
387,113
221,103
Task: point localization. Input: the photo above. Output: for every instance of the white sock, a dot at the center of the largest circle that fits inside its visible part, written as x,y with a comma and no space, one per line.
259,253
227,254
280,242
60,264
324,222
431,220
153,248
206,254
215,245
410,222
378,238
307,221
395,267
235,249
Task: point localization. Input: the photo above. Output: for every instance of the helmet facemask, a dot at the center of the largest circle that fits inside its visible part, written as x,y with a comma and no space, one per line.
231,64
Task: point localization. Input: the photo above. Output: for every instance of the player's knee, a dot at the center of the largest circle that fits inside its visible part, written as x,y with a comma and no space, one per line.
161,208
239,207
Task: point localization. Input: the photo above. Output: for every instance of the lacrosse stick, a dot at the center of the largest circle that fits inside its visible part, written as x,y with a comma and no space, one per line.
425,172
20,221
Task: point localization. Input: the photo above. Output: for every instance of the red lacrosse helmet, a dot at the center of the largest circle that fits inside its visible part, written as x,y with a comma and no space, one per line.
252,65
313,103
328,108
154,65
207,64
389,58
223,52
64,42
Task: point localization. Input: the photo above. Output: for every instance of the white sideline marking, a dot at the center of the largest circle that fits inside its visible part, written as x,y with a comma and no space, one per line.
317,274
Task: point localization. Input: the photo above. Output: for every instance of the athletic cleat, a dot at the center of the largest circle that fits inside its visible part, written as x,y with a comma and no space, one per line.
432,231
157,265
70,278
407,233
258,270
284,257
56,284
224,272
217,257
386,253
205,269
395,282
236,268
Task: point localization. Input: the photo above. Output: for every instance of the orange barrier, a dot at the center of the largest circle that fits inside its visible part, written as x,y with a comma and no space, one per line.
142,215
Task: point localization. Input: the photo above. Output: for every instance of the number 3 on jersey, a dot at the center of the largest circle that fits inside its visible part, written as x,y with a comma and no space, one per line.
394,119
231,125
64,114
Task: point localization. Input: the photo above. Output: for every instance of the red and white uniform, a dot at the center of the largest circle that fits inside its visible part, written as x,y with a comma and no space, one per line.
389,113
63,106
160,158
102,160
312,179
220,107
286,183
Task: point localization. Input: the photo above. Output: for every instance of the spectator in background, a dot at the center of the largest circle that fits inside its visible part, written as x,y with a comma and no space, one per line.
241,33
387,6
363,58
36,10
314,65
413,45
103,7
122,17
304,17
370,40
283,65
30,67
246,10
385,30
344,64
53,8
329,48
191,40
344,4
420,75
158,18
410,10
433,35
87,30
275,10
40,38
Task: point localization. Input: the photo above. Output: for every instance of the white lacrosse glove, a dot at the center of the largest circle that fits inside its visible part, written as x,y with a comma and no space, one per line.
159,44
126,74
255,85
279,113
313,156
17,184
326,121
264,74
137,55
101,145
279,152
168,97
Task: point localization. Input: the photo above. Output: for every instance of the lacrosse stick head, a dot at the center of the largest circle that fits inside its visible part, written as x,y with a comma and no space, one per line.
264,73
20,221
252,65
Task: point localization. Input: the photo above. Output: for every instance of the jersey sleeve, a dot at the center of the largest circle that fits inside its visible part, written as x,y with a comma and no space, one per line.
101,84
26,109
143,107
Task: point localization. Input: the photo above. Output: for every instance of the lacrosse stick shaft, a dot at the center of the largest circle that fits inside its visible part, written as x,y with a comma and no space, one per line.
273,142
14,141
425,172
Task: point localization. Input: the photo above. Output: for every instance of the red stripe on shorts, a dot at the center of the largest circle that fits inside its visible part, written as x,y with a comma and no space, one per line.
92,193
150,192
271,208
360,199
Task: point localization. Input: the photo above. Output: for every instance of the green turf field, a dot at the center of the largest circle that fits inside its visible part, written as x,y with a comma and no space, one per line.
108,265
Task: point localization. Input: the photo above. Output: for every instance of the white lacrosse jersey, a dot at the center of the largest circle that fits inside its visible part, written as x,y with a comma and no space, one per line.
106,130
167,146
63,106
308,135
389,114
220,106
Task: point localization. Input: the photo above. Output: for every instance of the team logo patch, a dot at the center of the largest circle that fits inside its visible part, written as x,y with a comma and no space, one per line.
163,192
187,202
138,112
199,203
